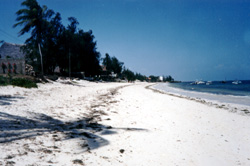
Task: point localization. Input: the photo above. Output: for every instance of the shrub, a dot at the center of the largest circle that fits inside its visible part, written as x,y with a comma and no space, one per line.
22,82
3,80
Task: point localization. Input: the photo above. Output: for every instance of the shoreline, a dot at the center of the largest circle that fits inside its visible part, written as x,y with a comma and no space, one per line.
208,99
116,124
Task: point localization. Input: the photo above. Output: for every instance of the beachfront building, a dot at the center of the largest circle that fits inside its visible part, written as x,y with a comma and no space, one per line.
12,59
161,78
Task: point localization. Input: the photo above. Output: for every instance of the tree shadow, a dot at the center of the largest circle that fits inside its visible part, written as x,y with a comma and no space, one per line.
14,127
8,99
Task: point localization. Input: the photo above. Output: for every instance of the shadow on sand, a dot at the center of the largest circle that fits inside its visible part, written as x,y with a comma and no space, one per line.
13,127
7,99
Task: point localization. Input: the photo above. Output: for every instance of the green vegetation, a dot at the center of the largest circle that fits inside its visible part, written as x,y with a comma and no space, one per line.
3,81
74,50
21,82
112,64
52,44
129,75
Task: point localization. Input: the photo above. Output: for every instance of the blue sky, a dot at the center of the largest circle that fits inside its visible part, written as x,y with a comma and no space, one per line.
187,39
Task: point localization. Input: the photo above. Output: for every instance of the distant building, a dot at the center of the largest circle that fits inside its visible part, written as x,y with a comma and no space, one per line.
161,78
12,59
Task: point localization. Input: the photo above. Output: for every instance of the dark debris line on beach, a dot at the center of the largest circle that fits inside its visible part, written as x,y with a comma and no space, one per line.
222,106
88,129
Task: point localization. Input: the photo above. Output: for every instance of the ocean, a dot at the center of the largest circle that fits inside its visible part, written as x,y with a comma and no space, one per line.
225,92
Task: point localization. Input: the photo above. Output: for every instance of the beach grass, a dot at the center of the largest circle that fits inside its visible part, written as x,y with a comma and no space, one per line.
21,82
3,81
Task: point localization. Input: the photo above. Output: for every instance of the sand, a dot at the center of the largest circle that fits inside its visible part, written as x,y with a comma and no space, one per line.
85,123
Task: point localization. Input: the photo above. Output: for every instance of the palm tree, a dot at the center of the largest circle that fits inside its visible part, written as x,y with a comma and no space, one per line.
33,18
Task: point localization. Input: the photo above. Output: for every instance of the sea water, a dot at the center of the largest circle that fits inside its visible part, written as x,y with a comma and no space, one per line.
225,92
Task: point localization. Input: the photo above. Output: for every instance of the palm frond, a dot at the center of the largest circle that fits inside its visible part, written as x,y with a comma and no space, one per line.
23,11
30,3
19,23
20,18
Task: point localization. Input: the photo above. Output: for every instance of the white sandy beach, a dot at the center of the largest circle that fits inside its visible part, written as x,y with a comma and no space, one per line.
117,124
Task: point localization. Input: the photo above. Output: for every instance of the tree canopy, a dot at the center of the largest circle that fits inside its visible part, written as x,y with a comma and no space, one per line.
69,47
112,64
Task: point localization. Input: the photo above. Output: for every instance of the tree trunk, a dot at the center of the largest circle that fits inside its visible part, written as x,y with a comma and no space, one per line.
41,57
69,66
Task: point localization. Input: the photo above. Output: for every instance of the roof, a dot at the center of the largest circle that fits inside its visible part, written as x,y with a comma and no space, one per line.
11,50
